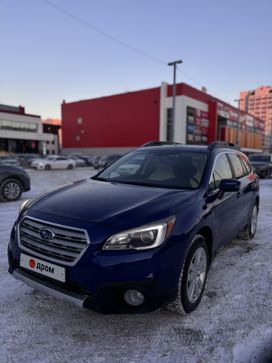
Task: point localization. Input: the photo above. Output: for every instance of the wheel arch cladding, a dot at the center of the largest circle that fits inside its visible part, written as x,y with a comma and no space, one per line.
206,232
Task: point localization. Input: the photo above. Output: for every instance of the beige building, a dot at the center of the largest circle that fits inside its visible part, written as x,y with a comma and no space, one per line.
258,102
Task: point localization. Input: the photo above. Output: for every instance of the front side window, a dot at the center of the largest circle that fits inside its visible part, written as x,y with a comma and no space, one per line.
162,168
221,171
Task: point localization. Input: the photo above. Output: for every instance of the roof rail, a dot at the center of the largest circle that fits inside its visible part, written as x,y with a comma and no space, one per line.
159,143
223,144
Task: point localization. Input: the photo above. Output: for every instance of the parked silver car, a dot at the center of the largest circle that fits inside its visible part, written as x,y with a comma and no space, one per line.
53,162
9,160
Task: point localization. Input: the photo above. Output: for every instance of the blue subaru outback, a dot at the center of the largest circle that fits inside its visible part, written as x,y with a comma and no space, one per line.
140,234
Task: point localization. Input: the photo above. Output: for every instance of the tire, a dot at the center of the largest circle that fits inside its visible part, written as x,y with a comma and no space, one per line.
10,190
70,166
47,167
193,277
250,230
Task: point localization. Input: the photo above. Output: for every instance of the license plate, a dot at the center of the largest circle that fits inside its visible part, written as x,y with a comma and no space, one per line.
42,267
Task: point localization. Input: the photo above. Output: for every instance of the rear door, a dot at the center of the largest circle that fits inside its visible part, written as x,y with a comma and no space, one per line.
223,209
245,197
62,163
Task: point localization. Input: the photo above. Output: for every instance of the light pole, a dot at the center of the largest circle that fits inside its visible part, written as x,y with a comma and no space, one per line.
174,64
238,122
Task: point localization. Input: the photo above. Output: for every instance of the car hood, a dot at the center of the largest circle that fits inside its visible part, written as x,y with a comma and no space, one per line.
12,169
113,203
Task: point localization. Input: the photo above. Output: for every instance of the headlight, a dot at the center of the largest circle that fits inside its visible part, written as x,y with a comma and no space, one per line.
24,205
142,238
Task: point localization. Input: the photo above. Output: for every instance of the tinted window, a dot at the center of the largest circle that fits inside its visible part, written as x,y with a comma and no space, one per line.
237,165
161,168
221,171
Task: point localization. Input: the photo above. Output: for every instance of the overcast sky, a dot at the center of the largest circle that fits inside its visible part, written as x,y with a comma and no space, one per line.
47,55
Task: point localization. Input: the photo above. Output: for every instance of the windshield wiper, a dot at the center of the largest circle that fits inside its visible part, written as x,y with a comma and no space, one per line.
151,185
141,183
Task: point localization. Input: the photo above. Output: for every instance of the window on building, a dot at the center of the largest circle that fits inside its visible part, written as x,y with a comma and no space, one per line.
18,126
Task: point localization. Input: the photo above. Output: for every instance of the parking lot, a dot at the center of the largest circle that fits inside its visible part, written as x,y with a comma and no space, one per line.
232,324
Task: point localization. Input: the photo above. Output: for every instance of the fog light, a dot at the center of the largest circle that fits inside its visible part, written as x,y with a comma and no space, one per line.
134,297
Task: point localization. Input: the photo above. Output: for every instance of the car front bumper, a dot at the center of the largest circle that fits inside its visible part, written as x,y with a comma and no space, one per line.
99,283
109,297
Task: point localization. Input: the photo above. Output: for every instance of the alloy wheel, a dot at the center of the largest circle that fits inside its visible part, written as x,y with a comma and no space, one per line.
12,191
196,275
254,218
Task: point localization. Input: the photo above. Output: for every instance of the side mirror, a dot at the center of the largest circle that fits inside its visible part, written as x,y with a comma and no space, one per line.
229,185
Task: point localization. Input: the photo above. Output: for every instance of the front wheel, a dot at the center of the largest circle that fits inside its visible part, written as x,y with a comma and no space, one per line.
193,276
10,190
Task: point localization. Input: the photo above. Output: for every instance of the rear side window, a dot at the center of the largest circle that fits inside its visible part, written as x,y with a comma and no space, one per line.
245,163
221,171
238,167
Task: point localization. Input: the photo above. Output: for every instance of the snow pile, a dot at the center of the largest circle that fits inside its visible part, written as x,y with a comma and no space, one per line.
232,324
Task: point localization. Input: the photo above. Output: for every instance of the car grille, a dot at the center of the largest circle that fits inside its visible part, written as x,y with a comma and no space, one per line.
65,245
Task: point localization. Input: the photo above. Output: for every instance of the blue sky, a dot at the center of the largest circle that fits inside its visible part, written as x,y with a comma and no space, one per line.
47,56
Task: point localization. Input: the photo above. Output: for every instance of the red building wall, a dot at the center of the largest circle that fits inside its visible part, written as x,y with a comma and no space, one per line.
124,120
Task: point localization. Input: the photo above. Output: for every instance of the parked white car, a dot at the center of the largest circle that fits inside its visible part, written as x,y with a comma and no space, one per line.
53,162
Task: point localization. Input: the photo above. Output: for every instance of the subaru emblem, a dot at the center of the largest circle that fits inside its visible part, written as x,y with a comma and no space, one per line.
46,233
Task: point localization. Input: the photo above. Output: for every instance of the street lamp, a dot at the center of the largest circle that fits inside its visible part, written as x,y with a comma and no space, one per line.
174,64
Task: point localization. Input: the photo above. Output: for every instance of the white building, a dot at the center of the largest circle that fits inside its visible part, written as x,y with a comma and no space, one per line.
21,132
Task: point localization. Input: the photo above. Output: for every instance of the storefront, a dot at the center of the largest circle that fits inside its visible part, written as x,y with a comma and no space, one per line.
197,126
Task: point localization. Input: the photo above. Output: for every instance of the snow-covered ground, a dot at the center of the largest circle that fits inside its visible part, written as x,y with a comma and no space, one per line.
232,324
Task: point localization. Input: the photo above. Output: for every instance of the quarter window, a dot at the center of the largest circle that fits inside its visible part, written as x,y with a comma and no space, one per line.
221,171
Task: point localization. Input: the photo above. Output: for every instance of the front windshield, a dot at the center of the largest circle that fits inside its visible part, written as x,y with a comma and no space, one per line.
178,169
